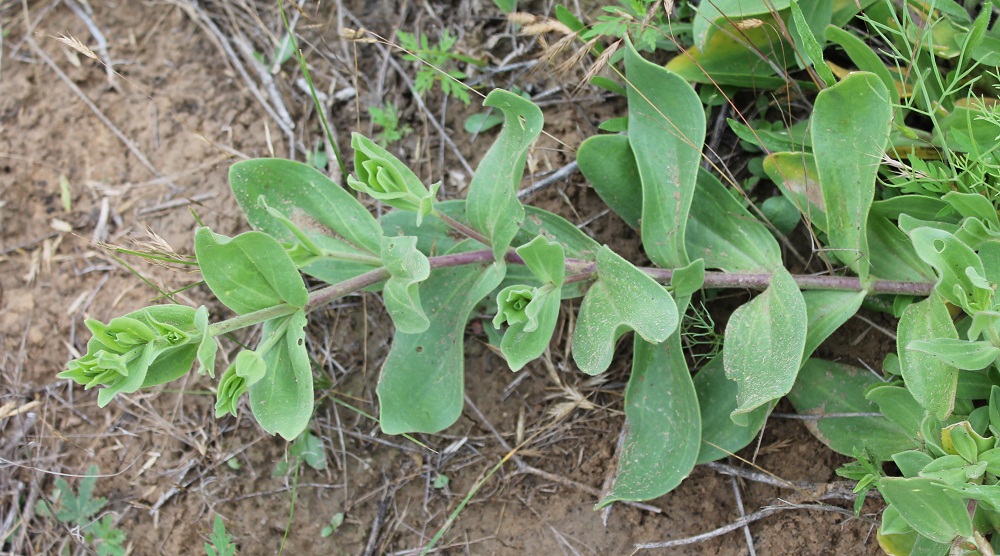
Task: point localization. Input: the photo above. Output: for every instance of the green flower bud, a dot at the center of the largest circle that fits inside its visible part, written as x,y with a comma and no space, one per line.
382,176
247,369
514,306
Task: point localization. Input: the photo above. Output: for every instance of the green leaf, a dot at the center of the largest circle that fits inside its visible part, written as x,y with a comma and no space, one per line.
282,401
862,55
747,57
911,462
663,420
478,123
79,508
711,15
897,259
609,165
384,177
421,385
796,176
932,382
780,212
666,129
249,272
932,509
720,436
826,311
492,206
765,339
408,267
323,210
208,347
221,542
724,234
960,270
309,448
808,43
622,298
850,131
898,406
532,325
824,388
965,355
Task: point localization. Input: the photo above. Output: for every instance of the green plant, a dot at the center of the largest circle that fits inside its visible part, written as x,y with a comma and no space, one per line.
220,542
80,510
438,263
434,61
388,119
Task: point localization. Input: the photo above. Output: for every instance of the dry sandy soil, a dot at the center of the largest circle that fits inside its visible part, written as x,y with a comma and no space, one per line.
87,157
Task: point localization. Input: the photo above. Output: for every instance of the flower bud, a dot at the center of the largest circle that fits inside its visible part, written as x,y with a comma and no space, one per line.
382,176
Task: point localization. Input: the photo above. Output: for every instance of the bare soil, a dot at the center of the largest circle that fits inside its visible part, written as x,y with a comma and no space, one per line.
167,466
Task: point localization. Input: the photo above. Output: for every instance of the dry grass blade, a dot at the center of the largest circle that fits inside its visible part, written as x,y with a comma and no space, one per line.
76,44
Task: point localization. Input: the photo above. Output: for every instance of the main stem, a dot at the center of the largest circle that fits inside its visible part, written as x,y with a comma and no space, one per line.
584,271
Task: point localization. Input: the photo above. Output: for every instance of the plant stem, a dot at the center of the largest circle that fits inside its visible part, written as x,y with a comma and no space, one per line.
583,270
465,229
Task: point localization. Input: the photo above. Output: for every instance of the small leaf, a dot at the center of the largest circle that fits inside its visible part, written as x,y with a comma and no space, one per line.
249,272
765,339
208,347
932,509
810,45
384,177
965,355
663,420
408,267
622,298
953,260
282,401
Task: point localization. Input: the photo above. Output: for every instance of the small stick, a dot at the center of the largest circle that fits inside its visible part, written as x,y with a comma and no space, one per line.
559,175
743,513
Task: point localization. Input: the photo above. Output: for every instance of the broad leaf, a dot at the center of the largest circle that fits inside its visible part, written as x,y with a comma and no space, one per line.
664,423
932,509
282,401
748,57
609,165
826,312
828,388
723,233
796,176
965,355
850,130
765,339
422,381
401,293
898,406
712,15
961,276
932,382
492,205
622,298
666,129
720,436
249,272
323,210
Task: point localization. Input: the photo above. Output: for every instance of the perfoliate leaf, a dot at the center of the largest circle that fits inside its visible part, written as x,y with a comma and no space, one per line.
932,509
850,131
492,206
408,267
282,401
421,385
932,382
663,420
765,339
960,270
249,272
666,130
622,298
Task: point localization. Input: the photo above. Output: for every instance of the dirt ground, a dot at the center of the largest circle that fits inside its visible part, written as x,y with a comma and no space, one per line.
85,157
